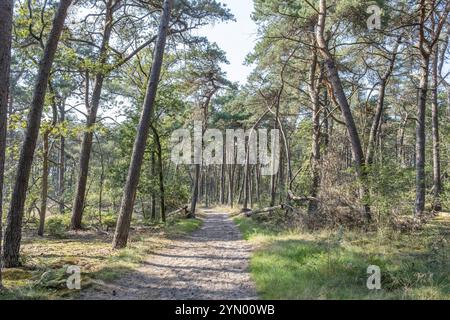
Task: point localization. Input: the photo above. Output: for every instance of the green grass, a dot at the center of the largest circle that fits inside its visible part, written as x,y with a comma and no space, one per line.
45,260
333,264
184,226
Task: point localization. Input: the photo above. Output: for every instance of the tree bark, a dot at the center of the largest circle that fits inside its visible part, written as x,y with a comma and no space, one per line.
153,172
437,185
230,184
44,184
86,145
162,203
6,16
315,148
420,137
401,143
62,159
273,178
223,177
129,193
13,232
195,191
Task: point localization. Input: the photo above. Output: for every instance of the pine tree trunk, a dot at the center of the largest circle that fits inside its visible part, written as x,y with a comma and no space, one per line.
223,177
44,184
86,145
6,16
13,232
339,94
153,200
375,124
420,137
230,184
62,160
437,185
315,148
129,193
162,203
195,191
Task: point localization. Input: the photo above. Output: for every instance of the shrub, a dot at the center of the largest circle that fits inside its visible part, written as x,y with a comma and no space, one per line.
57,226
52,279
109,221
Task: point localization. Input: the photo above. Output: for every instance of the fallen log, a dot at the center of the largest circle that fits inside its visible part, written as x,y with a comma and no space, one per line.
184,209
267,209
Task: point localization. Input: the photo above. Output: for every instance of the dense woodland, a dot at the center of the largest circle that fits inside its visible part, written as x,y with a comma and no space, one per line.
92,90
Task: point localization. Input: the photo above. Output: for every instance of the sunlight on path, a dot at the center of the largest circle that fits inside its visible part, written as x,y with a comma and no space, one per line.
211,263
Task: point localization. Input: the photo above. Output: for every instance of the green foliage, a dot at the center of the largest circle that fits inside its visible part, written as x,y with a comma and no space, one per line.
57,226
53,279
109,220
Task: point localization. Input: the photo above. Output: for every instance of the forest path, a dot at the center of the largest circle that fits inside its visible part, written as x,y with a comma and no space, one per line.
210,263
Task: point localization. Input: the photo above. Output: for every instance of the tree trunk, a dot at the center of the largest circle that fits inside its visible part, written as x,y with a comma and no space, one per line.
62,159
401,143
258,183
195,191
375,123
153,172
44,184
162,204
6,16
13,232
315,148
273,178
223,177
102,181
86,145
339,94
230,184
129,193
246,186
420,137
437,185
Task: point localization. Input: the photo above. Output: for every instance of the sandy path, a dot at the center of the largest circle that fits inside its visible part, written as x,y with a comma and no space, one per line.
211,263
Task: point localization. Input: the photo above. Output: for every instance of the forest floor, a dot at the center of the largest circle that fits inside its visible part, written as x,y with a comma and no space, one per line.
210,263
216,257
332,264
45,260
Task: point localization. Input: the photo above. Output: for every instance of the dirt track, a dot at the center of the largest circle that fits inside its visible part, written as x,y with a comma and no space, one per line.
211,263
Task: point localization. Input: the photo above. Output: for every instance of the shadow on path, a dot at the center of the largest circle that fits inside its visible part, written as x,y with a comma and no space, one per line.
211,263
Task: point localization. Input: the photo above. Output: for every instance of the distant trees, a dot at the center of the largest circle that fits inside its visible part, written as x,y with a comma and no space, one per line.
205,79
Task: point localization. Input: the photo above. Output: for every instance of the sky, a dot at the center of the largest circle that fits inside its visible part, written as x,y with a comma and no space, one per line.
236,38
